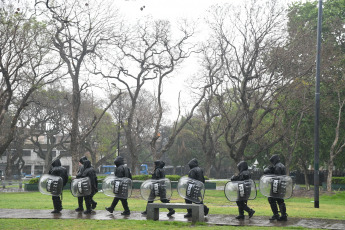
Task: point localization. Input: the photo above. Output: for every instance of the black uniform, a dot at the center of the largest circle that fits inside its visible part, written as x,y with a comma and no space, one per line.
157,174
276,168
90,172
196,173
58,170
242,204
79,174
120,171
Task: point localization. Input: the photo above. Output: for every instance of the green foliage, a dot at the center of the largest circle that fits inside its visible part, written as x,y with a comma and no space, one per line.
338,180
141,177
100,178
36,180
173,177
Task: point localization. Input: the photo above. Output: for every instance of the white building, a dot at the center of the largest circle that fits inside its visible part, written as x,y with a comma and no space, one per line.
34,165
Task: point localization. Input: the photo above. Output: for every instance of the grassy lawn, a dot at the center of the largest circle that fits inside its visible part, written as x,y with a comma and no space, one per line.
331,207
60,224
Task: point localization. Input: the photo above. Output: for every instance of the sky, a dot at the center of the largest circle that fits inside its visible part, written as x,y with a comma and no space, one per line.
172,10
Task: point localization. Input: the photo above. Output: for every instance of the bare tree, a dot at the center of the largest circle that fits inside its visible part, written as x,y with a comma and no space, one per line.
81,31
252,35
145,54
25,65
48,114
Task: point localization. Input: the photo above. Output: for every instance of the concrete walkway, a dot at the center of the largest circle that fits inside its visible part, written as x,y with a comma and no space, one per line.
211,219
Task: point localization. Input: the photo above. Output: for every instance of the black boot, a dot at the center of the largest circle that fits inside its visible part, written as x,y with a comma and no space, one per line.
240,217
126,211
94,204
274,209
88,205
113,205
275,217
206,210
80,205
57,204
189,213
144,212
240,212
282,209
110,209
171,212
251,213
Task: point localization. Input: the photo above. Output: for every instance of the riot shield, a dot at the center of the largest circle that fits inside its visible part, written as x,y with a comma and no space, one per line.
50,185
117,187
191,189
276,186
151,190
81,187
240,190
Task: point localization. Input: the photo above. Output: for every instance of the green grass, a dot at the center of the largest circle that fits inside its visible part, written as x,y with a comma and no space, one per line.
79,224
331,207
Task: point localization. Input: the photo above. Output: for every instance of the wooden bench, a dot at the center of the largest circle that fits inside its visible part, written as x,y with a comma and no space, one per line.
197,210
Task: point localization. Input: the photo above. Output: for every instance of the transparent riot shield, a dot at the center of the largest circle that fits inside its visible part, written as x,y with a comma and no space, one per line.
81,187
151,190
276,186
50,185
191,189
240,190
117,187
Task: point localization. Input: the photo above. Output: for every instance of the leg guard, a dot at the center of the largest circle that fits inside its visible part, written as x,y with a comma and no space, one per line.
125,207
273,205
87,204
282,209
189,211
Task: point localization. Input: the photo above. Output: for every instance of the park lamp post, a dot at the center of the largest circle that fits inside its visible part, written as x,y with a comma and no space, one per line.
317,109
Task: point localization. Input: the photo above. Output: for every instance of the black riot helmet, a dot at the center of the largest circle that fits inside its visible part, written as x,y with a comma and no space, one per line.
119,161
275,159
159,164
242,166
56,162
82,159
193,163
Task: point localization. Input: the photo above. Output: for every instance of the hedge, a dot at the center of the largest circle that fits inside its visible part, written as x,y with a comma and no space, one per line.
338,180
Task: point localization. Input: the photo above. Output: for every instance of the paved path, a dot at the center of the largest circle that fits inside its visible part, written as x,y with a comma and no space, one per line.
211,219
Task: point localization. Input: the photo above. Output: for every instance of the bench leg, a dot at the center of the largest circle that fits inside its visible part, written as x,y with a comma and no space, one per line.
198,214
152,213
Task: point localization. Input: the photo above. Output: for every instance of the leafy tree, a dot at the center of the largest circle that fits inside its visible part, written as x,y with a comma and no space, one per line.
302,19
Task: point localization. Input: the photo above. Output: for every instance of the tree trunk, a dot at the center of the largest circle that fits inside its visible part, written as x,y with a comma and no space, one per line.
329,174
306,179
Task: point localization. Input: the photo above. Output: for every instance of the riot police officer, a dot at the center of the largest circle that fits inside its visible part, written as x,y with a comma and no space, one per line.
58,170
276,168
90,172
79,174
195,173
242,204
157,174
121,171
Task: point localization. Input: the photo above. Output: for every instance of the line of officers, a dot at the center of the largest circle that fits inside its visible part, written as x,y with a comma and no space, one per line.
195,172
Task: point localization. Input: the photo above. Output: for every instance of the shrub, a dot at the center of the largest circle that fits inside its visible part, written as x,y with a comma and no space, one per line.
36,180
338,180
173,177
141,177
